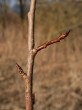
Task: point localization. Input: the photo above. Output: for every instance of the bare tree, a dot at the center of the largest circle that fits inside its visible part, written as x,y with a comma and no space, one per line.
21,9
31,55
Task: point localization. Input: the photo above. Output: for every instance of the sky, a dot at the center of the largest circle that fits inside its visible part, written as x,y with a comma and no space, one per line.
12,2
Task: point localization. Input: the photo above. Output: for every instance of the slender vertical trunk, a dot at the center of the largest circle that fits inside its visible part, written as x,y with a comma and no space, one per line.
30,60
31,54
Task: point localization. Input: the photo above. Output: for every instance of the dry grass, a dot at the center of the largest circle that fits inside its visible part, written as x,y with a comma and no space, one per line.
57,70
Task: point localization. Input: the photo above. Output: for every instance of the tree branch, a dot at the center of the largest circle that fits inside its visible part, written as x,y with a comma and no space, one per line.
20,70
31,56
30,98
31,19
63,36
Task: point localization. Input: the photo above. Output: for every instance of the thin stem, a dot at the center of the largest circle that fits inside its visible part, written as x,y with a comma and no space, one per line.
31,55
20,70
31,19
63,36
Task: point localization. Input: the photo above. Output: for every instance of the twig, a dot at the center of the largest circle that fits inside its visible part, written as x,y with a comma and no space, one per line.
31,55
30,61
31,19
20,70
63,36
30,97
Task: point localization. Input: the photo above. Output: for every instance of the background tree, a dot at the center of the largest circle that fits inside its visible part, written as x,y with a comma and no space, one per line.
21,9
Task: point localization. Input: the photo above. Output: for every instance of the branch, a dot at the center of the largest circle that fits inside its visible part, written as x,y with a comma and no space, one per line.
20,70
31,20
63,36
31,56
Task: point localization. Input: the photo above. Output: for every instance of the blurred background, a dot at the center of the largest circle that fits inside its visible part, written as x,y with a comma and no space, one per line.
58,68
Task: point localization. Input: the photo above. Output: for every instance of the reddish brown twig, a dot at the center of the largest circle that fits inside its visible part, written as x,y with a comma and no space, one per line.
63,36
30,97
20,70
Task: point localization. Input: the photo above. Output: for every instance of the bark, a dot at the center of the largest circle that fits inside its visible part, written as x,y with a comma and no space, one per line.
31,56
30,60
